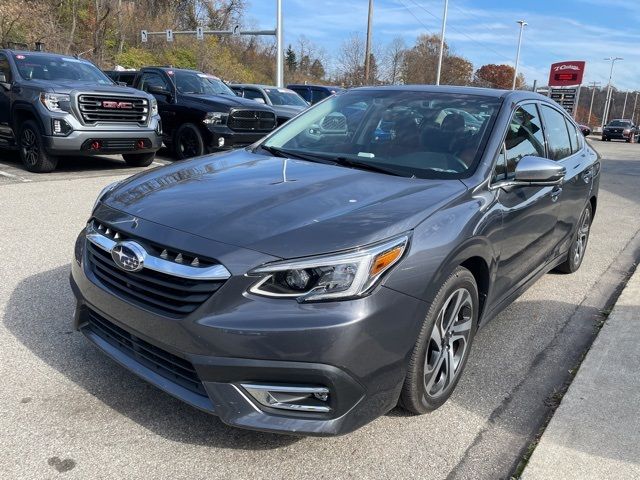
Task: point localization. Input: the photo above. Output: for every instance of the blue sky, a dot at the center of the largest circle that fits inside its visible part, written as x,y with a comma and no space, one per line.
482,31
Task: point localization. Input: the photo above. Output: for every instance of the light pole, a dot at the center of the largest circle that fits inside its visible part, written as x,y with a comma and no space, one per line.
522,24
605,114
624,107
593,93
367,48
633,115
279,46
442,32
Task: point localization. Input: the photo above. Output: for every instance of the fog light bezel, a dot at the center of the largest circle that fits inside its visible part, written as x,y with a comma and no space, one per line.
65,128
266,395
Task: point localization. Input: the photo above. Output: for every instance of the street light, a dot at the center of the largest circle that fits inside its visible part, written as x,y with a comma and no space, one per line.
605,114
522,24
593,93
441,52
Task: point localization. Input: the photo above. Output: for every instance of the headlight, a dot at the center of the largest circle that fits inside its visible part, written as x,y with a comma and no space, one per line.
215,118
329,277
626,130
154,106
56,102
103,192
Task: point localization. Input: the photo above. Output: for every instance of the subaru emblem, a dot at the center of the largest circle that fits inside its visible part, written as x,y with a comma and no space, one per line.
128,256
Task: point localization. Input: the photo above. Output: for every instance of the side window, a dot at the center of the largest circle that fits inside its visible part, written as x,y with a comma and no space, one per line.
152,79
319,94
5,70
574,137
304,93
523,138
252,94
557,133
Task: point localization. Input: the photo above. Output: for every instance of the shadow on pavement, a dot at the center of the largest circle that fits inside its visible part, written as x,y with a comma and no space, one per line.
39,314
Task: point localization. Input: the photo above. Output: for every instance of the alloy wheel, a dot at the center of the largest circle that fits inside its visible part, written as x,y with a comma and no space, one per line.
189,144
448,344
580,245
30,147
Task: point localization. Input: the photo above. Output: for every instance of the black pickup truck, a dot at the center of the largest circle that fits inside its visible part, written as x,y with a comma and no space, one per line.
200,114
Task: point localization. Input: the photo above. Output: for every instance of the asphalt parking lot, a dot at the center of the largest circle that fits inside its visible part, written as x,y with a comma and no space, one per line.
66,411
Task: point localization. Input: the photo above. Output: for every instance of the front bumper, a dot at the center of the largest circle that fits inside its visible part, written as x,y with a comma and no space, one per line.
109,142
231,138
357,349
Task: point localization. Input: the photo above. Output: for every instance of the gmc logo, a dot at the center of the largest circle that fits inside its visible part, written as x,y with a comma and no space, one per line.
117,105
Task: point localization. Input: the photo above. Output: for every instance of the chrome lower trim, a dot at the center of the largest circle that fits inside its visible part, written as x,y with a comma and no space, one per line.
263,395
214,272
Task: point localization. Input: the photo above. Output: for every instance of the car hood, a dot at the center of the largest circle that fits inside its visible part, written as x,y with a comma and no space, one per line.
73,86
287,111
283,207
228,101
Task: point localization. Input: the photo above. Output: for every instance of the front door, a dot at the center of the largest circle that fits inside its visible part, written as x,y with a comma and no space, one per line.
6,78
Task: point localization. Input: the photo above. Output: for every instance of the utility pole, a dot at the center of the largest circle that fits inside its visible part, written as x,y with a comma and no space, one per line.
279,46
442,32
522,24
624,107
367,52
605,114
593,93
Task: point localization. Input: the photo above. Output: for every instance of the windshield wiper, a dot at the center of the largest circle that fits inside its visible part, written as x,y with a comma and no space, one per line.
279,152
347,162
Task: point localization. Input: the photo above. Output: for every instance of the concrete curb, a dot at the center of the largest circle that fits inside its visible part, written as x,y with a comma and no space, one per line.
595,432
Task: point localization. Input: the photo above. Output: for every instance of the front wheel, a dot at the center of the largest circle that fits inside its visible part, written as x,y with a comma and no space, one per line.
139,159
443,346
32,152
188,142
579,244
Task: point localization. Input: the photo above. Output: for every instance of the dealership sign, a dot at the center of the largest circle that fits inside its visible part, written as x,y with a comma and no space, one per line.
566,74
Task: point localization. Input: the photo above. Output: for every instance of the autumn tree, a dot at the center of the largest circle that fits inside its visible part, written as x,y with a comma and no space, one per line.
420,63
497,76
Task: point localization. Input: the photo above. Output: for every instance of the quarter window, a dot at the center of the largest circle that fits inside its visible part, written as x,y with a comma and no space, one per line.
153,80
252,94
574,137
524,137
557,133
5,70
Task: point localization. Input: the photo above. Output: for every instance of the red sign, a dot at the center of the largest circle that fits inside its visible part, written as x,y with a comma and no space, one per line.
119,105
564,74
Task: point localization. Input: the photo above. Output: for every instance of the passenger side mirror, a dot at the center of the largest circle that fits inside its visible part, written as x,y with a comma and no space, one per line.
537,171
158,90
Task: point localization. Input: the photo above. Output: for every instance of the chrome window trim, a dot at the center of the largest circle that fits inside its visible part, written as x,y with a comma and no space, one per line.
214,272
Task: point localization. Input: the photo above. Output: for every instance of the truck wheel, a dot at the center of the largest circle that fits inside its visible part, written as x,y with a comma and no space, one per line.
139,159
188,142
32,152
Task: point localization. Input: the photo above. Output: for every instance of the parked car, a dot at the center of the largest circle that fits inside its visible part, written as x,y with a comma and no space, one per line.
286,103
585,129
53,105
314,93
620,129
200,113
309,284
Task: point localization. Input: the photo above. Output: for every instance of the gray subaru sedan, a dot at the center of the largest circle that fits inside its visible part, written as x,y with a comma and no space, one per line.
342,265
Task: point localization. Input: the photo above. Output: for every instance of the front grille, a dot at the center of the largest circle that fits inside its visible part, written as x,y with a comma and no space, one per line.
154,291
113,109
171,367
251,120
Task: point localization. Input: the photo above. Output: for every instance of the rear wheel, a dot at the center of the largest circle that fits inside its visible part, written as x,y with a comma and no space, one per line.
443,346
188,142
139,159
579,244
32,152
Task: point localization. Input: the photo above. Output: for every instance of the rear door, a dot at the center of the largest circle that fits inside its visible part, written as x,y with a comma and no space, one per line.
566,146
529,213
6,78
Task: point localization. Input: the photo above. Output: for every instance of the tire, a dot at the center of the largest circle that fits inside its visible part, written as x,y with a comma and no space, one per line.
578,243
139,159
32,153
457,300
188,142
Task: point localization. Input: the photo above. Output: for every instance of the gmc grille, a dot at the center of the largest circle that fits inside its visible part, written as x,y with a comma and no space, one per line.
112,109
252,121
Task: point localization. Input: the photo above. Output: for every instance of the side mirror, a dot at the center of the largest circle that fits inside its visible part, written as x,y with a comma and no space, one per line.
158,90
538,171
260,100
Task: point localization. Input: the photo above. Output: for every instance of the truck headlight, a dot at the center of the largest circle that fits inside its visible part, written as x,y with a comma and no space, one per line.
154,106
215,118
329,277
56,102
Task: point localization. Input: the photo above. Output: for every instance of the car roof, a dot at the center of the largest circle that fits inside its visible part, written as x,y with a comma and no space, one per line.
328,87
256,85
33,53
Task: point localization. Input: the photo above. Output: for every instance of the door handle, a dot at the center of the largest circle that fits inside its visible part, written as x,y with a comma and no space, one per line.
555,193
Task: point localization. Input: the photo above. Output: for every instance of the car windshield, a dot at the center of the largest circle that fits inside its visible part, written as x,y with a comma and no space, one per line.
56,68
282,96
618,123
200,84
410,133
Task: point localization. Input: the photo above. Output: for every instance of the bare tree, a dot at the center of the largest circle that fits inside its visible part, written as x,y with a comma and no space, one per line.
350,61
392,61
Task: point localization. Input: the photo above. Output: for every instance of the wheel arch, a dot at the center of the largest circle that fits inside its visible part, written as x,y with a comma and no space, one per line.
23,112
